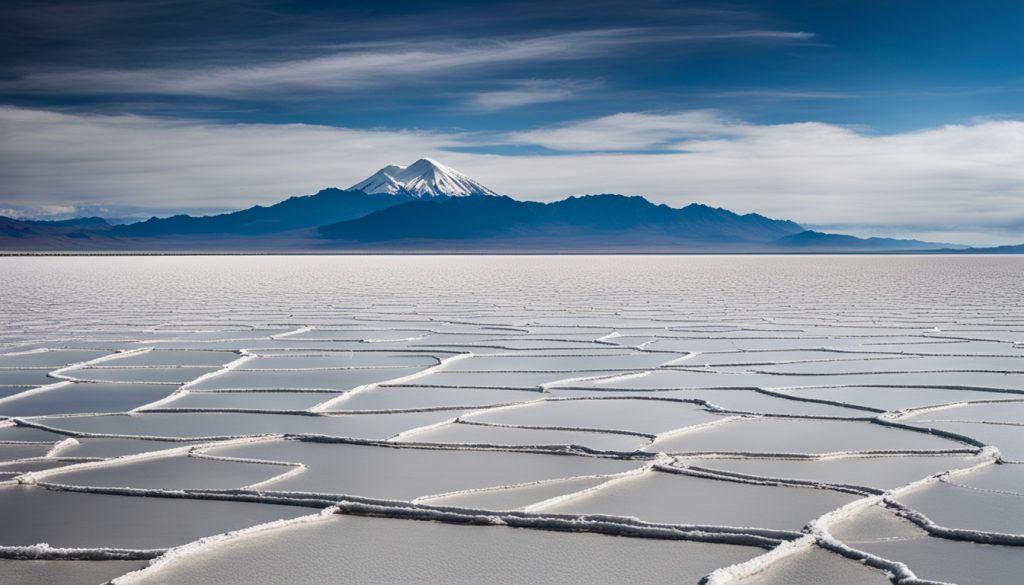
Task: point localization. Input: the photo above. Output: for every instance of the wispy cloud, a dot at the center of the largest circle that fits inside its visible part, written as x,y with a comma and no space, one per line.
784,94
965,181
363,66
526,92
40,211
628,131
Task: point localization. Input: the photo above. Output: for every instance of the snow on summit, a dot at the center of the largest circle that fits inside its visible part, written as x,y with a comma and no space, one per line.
423,178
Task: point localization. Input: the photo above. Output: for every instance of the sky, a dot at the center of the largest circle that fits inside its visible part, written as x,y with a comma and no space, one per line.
900,118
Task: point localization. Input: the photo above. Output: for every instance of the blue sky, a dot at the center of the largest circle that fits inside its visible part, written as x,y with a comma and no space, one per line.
114,104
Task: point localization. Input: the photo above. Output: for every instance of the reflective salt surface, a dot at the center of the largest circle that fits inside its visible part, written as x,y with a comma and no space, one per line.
880,532
78,398
1009,438
1003,411
52,359
779,435
175,472
383,551
169,358
21,378
6,391
884,398
882,472
955,506
34,515
413,397
641,416
511,419
270,401
814,566
63,572
107,448
516,497
1007,479
154,375
736,400
682,499
188,425
339,380
385,472
472,434
16,451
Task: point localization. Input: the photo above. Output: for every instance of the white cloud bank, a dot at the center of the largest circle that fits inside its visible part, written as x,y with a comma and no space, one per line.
959,183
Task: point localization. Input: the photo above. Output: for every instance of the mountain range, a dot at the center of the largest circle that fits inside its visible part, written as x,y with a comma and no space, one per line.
603,220
427,206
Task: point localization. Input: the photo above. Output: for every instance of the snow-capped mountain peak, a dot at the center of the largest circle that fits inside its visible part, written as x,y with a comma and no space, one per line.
383,181
423,178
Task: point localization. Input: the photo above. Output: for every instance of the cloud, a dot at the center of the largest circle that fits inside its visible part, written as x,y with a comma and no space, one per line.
363,66
784,94
628,131
527,92
963,181
40,212
51,158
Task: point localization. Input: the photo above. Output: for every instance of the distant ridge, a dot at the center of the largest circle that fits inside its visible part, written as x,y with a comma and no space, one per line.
41,233
1010,249
840,242
615,219
329,205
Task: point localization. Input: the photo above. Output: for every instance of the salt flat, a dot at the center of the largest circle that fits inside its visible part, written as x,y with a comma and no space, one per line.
513,419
